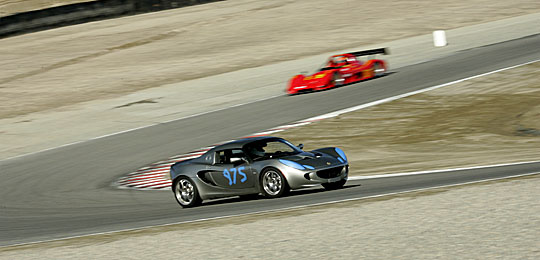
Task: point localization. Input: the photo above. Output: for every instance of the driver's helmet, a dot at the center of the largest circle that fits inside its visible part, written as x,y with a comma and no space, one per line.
339,60
257,150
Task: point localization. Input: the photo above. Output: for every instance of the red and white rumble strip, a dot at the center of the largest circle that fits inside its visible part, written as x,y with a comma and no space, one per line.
156,175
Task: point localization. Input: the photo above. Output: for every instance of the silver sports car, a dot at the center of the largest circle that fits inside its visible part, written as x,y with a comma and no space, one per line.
268,165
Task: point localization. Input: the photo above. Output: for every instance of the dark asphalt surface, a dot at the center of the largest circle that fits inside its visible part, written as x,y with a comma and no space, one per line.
66,191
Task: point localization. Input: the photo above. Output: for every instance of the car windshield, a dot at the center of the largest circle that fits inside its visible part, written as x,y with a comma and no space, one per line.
273,148
333,63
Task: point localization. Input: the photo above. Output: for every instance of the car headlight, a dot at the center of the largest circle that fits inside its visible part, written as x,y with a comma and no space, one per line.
295,165
342,157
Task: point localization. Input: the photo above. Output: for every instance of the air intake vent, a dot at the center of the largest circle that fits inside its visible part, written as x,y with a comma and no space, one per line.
205,177
330,173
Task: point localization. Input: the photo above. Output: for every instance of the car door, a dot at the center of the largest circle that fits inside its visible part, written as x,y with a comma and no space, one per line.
230,170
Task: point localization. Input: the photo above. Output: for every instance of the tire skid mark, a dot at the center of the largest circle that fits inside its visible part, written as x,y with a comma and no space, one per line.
84,58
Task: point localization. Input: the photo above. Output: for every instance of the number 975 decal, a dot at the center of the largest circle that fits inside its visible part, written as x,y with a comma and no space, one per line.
232,177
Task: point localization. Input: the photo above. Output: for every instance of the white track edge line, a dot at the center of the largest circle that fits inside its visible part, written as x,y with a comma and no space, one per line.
377,102
137,128
351,109
332,114
390,175
275,210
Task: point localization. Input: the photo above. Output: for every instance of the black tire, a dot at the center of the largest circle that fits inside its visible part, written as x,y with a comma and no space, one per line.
186,192
273,184
376,70
334,185
337,80
249,196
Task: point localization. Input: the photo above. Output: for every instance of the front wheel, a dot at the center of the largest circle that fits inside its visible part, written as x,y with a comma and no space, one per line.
273,183
334,185
186,193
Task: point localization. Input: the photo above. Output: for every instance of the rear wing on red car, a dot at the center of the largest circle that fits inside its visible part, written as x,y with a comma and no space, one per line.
383,51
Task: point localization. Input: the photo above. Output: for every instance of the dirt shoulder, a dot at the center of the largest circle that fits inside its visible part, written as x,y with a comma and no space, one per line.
107,59
487,120
9,7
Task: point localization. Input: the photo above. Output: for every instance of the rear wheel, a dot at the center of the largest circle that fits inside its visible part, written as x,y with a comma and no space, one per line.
378,70
186,192
273,183
337,80
334,185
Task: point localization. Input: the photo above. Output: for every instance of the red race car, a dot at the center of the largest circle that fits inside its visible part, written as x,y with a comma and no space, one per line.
340,69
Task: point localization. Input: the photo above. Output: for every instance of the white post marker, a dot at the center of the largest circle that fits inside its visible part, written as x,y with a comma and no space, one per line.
439,38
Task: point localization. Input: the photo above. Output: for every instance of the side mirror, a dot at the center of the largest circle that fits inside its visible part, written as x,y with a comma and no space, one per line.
239,160
245,160
301,146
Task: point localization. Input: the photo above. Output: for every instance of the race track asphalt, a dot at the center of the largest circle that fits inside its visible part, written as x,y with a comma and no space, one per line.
66,191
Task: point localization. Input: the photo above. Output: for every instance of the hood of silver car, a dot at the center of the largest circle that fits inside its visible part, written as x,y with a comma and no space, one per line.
316,160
